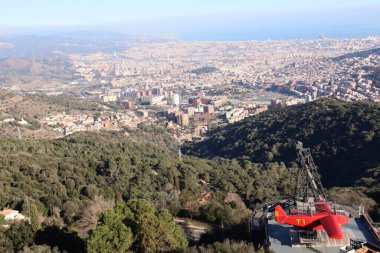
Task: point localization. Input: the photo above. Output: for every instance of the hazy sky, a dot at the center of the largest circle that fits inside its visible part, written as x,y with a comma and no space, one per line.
200,19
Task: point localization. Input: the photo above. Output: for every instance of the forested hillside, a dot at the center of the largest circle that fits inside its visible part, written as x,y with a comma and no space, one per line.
86,191
344,138
363,54
65,184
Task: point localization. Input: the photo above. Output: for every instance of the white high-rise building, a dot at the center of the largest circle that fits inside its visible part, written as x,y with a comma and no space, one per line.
176,99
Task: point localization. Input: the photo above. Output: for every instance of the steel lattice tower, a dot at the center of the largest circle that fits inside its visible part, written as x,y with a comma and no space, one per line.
308,182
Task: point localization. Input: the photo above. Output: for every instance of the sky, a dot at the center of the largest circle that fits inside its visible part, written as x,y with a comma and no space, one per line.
195,19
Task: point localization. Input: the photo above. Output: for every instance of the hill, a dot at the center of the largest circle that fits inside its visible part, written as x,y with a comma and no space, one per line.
344,137
374,74
361,54
141,164
65,184
70,181
33,108
204,70
53,66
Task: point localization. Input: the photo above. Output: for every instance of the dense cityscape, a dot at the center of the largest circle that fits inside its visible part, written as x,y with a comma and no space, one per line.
190,126
190,87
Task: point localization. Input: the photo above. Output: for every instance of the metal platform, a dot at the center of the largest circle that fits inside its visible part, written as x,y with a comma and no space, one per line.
298,241
284,238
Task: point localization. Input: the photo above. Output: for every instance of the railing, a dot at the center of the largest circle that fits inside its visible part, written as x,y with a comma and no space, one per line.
372,227
310,209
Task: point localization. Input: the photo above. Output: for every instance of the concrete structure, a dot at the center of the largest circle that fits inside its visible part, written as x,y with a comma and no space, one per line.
209,109
190,111
158,91
183,119
23,122
111,95
283,237
10,215
236,114
127,104
200,130
152,100
220,101
176,100
308,98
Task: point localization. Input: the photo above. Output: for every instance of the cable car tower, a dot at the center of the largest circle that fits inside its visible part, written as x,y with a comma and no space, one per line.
308,182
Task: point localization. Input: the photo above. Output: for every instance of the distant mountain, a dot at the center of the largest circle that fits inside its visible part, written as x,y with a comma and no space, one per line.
154,38
93,35
344,138
84,42
79,42
52,66
14,63
362,54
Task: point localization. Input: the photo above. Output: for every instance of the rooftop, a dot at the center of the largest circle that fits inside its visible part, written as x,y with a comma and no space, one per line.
7,211
280,237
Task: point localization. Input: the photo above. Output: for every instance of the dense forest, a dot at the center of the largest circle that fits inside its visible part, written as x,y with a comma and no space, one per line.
344,138
87,191
65,185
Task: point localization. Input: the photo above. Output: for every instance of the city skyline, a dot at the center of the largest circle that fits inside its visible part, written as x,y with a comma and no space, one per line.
195,20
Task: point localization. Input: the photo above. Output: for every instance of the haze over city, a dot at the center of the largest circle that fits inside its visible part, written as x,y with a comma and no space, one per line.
195,19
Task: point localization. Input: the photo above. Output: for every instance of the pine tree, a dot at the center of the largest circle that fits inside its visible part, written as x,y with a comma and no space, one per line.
35,218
